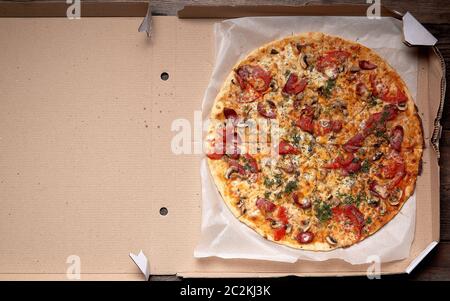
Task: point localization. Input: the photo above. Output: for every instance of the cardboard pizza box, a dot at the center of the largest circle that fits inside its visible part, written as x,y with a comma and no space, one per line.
86,122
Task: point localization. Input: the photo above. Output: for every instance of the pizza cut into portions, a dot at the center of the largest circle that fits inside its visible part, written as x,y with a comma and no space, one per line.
314,142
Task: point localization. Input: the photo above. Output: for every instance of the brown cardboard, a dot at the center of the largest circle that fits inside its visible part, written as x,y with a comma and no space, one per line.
85,127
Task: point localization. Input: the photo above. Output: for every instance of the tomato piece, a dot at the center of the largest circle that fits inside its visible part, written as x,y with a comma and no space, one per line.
372,123
265,205
345,160
361,89
285,148
308,111
282,215
279,233
305,123
248,96
295,197
355,215
392,168
340,161
366,65
378,190
396,138
350,213
397,178
214,156
253,76
235,163
331,59
294,85
354,143
398,97
267,109
332,165
324,62
388,171
353,167
336,126
229,113
377,121
389,112
339,55
376,86
323,127
373,84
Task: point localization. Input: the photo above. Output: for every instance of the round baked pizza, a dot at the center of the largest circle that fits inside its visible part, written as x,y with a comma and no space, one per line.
314,142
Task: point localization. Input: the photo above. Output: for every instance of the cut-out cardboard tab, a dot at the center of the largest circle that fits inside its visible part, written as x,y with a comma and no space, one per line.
415,34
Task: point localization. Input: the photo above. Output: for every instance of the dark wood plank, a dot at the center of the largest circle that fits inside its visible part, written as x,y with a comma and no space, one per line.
445,185
428,11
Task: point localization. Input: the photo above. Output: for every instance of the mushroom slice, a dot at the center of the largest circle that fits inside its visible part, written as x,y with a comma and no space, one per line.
230,171
394,198
305,225
402,106
382,208
274,85
303,61
241,206
354,69
288,228
373,202
339,105
276,224
377,156
287,165
334,201
331,240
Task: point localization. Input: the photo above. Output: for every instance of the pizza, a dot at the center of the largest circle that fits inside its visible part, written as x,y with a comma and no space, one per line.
314,142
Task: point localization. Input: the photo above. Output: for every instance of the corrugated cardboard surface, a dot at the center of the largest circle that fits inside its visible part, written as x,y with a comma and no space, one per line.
85,159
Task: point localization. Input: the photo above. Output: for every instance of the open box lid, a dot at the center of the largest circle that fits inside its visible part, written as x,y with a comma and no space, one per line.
78,158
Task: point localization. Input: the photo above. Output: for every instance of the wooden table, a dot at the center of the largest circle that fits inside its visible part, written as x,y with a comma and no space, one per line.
435,15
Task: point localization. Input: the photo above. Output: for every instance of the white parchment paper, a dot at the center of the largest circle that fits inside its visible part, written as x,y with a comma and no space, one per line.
222,235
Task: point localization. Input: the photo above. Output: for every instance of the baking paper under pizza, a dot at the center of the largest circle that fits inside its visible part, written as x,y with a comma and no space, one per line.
314,142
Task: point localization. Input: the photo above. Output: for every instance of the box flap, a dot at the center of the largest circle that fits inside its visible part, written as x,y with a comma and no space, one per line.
142,262
415,34
420,257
